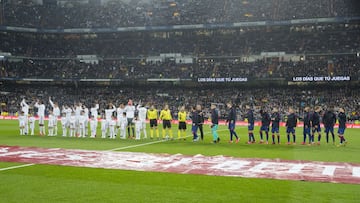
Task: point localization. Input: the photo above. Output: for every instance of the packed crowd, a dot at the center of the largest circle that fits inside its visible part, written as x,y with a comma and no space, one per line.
332,38
70,14
135,69
260,98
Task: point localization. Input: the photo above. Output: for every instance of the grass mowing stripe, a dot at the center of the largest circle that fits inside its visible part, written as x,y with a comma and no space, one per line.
115,149
149,143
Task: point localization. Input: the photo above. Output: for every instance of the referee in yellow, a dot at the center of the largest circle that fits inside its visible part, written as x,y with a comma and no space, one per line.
165,116
152,115
182,123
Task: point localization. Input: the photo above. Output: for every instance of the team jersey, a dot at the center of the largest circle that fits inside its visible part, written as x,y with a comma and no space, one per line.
41,109
342,120
109,112
250,117
22,119
142,113
291,121
31,120
275,118
152,114
315,119
94,111
130,111
265,119
307,119
63,121
182,116
329,119
24,107
119,112
67,112
232,115
165,115
56,109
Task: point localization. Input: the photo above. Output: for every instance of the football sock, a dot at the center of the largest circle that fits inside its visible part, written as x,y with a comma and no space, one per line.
294,138
327,137
273,138
261,135
319,138
278,138
267,136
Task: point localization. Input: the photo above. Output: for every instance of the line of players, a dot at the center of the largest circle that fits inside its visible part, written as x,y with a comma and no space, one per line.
116,120
311,119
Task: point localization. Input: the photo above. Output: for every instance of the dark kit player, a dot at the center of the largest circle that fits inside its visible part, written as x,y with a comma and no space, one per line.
231,119
275,125
307,125
329,120
265,123
315,123
251,120
342,126
291,125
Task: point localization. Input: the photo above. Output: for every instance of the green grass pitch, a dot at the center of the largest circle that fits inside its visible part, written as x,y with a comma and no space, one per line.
46,183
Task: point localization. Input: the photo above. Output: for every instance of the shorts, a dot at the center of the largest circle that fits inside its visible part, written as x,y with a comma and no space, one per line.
41,120
341,131
251,126
329,129
316,129
153,123
290,130
275,130
166,124
264,128
130,121
182,126
306,131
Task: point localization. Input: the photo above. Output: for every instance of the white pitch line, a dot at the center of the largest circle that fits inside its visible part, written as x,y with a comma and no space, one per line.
115,149
14,167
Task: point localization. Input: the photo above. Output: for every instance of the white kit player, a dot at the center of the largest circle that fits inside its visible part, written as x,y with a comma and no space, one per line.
51,123
77,110
82,122
41,114
103,126
86,114
32,124
112,125
22,123
67,111
108,114
93,126
138,127
56,112
119,113
130,113
123,125
25,109
94,113
72,124
142,112
64,124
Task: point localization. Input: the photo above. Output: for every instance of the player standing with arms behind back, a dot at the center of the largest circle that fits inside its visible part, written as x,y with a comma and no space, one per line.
291,125
231,119
275,125
315,123
251,121
307,126
342,126
329,120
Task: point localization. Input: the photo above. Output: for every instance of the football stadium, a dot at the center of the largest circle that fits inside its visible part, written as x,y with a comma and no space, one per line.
179,100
